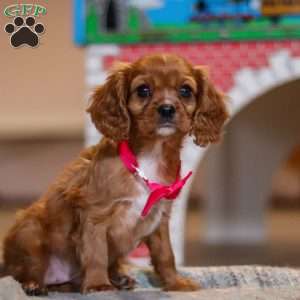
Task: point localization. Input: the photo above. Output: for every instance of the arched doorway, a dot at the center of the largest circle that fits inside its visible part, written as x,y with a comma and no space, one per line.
238,172
236,181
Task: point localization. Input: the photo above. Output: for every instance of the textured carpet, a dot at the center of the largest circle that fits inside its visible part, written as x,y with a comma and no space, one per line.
225,277
237,282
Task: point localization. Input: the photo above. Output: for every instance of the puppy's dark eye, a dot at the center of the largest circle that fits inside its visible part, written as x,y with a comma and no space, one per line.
185,91
143,91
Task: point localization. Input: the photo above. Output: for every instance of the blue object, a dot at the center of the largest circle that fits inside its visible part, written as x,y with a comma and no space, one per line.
79,22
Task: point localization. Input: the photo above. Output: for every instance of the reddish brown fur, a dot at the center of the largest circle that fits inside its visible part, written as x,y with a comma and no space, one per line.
81,218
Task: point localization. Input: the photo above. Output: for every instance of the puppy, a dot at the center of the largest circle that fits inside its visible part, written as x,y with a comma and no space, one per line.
81,229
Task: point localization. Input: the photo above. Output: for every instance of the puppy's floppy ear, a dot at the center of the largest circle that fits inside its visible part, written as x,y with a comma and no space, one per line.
108,106
211,112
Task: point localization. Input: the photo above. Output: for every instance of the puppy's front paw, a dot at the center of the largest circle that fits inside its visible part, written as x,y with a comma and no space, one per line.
98,288
182,284
123,282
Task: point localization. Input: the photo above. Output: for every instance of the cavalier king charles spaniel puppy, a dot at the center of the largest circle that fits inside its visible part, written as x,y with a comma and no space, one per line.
115,194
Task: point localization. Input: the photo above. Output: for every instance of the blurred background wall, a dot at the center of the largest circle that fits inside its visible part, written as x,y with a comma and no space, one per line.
42,106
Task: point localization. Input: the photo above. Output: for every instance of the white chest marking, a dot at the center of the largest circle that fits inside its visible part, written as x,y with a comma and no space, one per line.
148,164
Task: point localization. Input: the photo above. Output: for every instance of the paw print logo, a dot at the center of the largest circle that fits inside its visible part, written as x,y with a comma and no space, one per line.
24,33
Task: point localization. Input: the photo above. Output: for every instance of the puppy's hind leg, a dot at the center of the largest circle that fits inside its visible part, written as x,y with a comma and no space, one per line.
26,255
2,271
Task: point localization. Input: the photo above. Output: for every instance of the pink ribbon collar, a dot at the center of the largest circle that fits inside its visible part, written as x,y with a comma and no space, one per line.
157,191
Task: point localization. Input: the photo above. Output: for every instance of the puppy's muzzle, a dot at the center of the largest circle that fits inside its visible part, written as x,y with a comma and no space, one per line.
166,112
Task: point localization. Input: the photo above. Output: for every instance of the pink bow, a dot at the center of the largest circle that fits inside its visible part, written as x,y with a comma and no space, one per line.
158,191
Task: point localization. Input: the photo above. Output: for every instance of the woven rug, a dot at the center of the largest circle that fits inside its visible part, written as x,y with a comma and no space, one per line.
236,282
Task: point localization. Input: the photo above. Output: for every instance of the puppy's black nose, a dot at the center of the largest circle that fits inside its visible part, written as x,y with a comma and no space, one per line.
166,111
